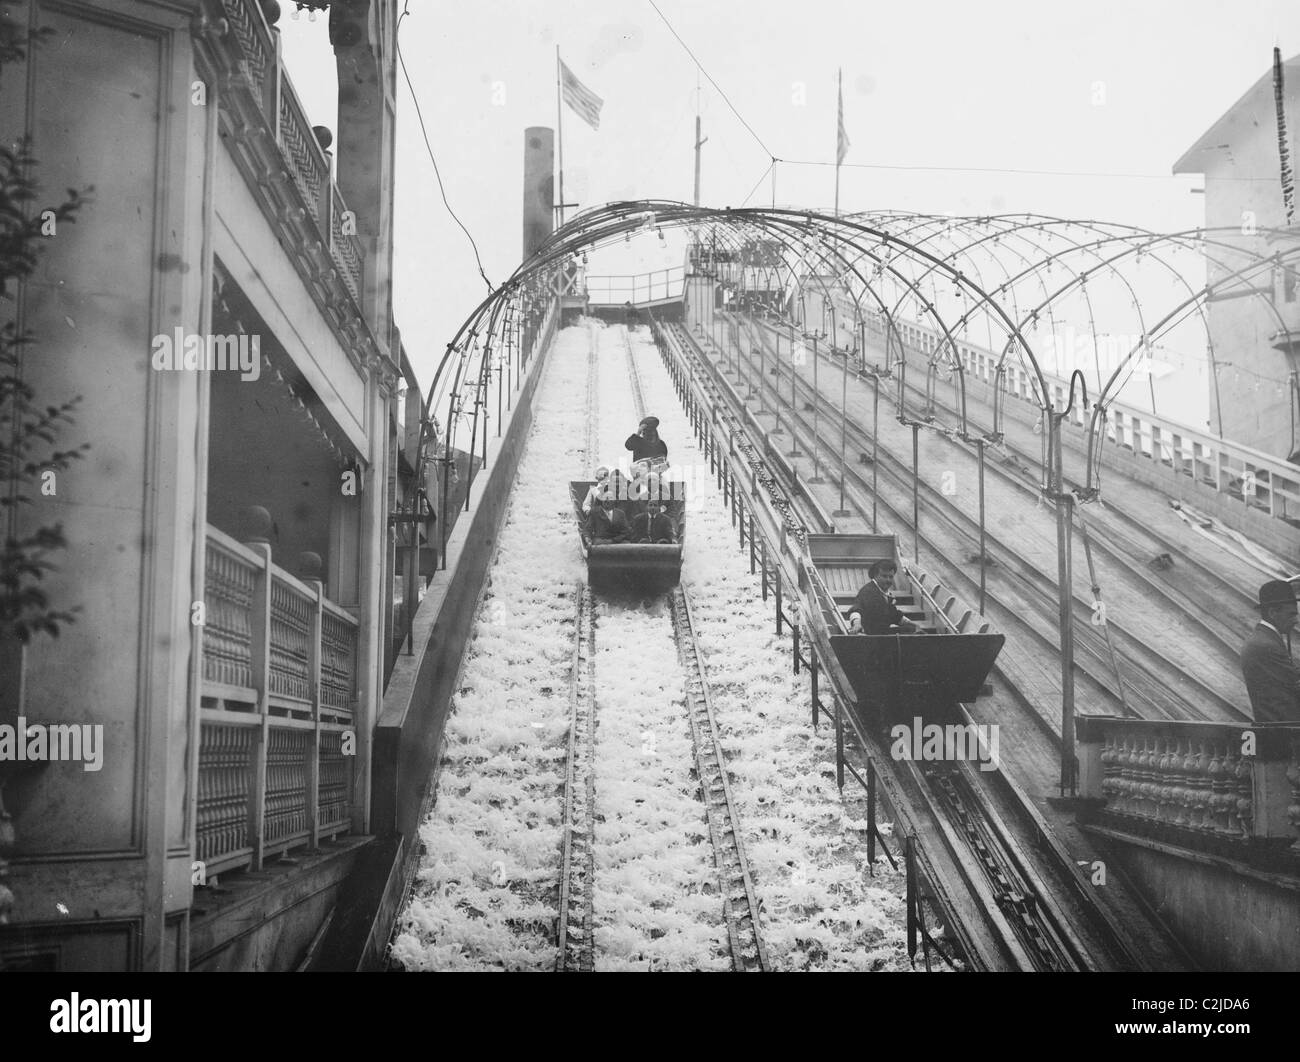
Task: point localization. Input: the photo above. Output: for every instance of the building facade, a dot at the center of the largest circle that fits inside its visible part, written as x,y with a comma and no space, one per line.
223,309
1254,320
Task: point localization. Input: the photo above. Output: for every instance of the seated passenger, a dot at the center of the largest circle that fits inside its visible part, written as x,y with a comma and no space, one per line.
873,611
653,528
608,523
645,443
594,492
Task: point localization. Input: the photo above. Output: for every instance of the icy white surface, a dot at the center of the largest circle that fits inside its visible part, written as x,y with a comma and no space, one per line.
806,847
656,900
487,890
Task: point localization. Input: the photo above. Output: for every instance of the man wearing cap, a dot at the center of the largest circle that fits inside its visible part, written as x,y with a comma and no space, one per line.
645,443
1272,678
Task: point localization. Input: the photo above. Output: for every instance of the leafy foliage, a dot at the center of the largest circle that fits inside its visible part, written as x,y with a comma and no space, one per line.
28,431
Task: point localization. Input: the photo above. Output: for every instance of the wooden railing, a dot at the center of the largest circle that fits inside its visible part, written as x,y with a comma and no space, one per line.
1228,788
257,55
278,699
1259,480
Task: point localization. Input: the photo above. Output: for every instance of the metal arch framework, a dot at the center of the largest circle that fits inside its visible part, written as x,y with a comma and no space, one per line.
464,373
895,251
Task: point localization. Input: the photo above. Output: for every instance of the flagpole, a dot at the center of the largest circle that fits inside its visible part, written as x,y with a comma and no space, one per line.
839,118
559,131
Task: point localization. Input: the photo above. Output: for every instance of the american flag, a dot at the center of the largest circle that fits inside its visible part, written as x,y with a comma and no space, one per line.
580,98
842,140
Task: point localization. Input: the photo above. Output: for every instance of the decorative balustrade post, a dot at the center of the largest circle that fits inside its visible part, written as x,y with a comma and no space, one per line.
1166,794
257,528
1225,792
1090,748
1293,776
310,568
325,208
1186,768
8,840
1132,774
1243,810
1111,788
1200,786
1271,792
272,89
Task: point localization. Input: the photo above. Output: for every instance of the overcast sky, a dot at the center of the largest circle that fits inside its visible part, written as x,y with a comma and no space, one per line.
943,102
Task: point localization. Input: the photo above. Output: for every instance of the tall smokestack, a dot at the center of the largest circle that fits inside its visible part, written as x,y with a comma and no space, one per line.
539,187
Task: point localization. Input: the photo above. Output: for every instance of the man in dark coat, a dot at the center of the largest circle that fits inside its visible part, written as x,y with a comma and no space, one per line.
608,523
1272,678
645,443
873,611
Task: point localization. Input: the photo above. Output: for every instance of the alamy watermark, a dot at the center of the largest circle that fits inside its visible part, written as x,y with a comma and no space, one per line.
950,742
1066,350
240,353
41,742
77,1015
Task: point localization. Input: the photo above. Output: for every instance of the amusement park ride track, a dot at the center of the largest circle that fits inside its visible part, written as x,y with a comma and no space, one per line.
577,863
1023,904
1136,538
577,855
1133,538
1158,687
740,909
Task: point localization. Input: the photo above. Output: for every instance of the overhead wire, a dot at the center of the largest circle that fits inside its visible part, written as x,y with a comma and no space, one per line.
759,183
429,147
700,66
1001,170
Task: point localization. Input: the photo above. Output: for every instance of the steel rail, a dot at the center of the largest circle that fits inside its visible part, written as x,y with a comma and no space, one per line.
1161,673
739,901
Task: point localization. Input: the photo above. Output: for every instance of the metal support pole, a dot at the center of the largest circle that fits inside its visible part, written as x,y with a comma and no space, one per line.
794,635
983,553
776,387
916,493
779,616
794,374
839,744
510,354
1065,578
763,558
817,405
844,424
812,666
871,816
875,448
442,521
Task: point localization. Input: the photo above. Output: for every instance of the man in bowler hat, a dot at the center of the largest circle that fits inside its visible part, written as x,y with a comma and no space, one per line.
1272,678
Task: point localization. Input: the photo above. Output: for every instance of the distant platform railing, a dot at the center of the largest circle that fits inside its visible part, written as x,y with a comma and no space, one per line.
1261,481
276,744
641,289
